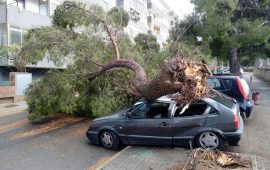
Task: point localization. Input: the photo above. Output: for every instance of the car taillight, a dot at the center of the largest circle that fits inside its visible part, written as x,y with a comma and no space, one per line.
243,91
236,120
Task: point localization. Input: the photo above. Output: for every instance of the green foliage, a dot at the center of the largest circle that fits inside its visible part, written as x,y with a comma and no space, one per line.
52,94
227,24
71,14
55,41
79,34
118,17
147,42
13,53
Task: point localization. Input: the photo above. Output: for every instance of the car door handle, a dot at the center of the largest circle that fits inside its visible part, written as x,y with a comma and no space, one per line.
163,124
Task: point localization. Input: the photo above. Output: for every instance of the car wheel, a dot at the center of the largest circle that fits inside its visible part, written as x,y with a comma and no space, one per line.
109,140
243,115
210,140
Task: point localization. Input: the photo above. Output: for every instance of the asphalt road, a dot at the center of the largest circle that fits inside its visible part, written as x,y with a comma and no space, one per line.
60,144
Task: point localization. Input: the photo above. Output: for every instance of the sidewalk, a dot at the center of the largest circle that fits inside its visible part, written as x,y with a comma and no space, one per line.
7,109
146,158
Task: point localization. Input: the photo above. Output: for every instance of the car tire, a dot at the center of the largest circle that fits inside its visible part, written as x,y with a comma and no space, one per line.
210,140
243,115
109,140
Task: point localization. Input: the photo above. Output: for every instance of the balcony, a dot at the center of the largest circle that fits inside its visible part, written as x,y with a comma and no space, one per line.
25,18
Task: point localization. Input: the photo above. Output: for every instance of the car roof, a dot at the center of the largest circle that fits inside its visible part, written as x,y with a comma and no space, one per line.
170,98
167,98
223,76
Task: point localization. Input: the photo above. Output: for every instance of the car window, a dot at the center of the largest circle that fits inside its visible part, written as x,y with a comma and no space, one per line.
221,98
227,83
138,103
139,113
196,108
214,84
158,110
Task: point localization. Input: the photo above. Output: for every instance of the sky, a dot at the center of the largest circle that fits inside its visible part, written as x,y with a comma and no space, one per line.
181,7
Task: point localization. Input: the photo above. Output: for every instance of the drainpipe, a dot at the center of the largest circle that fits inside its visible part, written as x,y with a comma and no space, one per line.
7,24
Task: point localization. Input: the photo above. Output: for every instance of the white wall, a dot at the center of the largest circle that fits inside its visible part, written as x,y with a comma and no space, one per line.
32,5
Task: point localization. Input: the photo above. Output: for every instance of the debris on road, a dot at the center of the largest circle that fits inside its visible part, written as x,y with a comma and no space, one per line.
53,125
205,159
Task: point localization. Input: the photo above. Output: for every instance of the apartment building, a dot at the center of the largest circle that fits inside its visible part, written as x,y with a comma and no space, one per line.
17,16
160,19
138,7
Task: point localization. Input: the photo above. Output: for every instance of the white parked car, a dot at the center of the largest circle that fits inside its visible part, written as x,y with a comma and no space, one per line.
226,70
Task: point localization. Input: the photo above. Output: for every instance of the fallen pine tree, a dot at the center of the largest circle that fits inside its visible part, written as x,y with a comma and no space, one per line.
96,54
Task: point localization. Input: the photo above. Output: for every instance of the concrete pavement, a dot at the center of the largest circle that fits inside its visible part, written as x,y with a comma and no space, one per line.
256,137
7,109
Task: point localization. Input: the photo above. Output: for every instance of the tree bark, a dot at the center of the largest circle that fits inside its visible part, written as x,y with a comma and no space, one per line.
179,75
234,61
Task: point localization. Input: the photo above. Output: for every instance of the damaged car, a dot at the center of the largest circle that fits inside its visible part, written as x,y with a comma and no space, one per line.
207,123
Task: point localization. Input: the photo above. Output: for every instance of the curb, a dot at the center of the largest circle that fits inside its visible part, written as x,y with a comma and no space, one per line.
100,167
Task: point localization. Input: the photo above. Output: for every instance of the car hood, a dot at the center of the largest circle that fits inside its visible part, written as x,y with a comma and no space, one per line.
115,115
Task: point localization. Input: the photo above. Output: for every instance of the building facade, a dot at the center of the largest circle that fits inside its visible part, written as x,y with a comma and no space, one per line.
138,7
159,21
18,16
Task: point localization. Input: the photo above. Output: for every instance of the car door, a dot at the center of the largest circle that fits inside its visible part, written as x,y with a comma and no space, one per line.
189,123
144,127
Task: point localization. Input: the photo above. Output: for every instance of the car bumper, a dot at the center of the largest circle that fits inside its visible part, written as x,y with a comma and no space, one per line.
233,138
92,136
249,109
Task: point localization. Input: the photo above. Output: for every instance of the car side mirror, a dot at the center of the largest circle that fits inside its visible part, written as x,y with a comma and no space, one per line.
129,115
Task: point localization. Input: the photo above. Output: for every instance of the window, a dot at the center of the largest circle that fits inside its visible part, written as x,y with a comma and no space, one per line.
43,7
227,83
139,113
21,4
219,97
52,8
156,30
214,84
195,108
120,3
158,110
16,35
3,34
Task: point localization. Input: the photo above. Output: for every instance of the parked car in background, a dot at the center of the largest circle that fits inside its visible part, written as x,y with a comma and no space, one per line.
237,88
225,70
208,123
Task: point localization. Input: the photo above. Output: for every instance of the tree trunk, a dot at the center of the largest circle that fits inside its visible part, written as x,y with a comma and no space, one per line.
181,76
234,61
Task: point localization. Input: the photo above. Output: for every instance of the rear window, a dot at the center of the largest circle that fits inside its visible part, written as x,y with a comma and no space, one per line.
227,83
214,83
221,98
